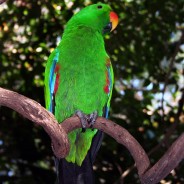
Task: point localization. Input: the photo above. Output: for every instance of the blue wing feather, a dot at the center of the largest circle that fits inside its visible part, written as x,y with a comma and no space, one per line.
52,80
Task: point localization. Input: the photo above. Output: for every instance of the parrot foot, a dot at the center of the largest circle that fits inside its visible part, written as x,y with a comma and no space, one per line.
90,119
83,118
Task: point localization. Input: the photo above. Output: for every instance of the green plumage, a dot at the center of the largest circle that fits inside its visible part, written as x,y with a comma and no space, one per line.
81,75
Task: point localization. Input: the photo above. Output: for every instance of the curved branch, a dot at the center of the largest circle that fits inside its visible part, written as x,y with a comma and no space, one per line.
58,134
120,134
166,164
33,111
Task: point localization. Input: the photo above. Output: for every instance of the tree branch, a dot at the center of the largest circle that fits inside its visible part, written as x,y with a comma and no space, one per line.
120,134
166,164
39,115
60,145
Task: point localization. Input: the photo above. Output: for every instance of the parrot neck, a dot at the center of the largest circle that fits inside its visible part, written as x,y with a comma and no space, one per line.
74,30
80,38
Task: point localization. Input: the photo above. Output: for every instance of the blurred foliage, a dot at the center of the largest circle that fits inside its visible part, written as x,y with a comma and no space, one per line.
147,54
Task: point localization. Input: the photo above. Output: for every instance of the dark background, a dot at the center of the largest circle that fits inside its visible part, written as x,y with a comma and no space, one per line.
146,50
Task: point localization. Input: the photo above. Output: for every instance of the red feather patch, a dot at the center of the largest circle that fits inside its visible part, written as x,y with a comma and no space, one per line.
107,83
106,87
57,68
56,71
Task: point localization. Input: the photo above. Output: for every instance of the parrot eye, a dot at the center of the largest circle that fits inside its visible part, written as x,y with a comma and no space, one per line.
99,6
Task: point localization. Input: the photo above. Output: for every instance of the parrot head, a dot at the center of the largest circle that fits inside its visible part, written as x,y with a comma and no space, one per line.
98,17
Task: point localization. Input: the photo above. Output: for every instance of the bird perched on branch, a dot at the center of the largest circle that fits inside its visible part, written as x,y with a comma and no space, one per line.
79,80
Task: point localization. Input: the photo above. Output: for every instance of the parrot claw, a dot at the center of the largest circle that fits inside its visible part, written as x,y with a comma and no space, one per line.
83,118
90,119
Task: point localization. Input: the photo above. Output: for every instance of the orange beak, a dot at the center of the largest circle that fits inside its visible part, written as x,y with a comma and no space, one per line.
113,20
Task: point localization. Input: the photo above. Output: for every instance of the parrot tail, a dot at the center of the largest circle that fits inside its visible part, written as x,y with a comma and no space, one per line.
69,173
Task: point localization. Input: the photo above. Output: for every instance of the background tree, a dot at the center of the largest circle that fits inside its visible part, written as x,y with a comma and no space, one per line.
147,52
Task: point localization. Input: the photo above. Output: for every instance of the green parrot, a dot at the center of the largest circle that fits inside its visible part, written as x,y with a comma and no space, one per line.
79,79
